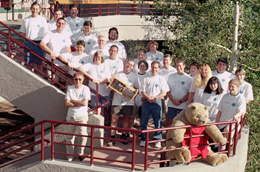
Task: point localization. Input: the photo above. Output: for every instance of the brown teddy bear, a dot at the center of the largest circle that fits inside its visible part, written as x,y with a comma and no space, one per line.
195,114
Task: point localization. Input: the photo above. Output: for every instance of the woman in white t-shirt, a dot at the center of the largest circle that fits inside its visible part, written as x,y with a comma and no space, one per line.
142,66
199,83
153,54
100,74
212,95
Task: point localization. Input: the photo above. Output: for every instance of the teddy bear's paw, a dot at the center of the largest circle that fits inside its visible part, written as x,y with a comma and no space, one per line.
216,159
223,141
222,159
184,155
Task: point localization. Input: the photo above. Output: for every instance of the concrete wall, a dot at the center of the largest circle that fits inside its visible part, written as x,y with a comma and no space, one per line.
30,93
131,27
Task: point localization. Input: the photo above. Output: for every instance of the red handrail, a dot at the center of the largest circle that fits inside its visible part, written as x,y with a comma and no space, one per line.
93,147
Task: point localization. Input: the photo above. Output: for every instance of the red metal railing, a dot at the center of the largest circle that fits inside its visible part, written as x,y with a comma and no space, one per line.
131,151
11,44
112,8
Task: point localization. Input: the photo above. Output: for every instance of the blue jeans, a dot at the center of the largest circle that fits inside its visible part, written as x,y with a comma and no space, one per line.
100,100
32,57
156,110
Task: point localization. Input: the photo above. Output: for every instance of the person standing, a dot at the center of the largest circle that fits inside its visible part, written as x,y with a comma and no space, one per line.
113,36
76,100
52,23
73,20
101,46
223,75
34,27
153,89
114,64
122,105
179,85
89,39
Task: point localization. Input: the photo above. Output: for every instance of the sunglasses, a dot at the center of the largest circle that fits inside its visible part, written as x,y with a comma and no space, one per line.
77,79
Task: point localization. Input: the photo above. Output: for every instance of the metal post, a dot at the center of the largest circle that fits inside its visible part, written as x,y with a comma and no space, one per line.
236,137
52,141
52,72
42,141
92,147
9,43
133,151
97,96
146,151
230,138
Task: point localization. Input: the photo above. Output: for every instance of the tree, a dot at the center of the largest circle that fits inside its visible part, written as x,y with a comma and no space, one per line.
204,30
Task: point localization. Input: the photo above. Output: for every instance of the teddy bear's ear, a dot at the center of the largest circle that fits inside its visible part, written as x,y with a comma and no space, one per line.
193,107
207,108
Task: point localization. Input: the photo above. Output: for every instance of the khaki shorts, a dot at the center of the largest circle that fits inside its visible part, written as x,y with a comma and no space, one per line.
123,110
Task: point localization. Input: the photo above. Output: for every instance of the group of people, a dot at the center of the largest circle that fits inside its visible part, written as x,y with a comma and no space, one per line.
163,89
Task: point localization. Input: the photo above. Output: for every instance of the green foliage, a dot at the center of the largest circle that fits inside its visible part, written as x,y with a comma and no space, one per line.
132,47
204,32
201,25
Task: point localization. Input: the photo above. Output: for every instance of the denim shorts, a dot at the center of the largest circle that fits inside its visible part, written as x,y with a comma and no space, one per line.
100,100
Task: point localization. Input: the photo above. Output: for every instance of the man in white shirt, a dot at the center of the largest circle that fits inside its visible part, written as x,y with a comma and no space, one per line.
115,65
221,73
153,89
101,46
52,23
34,27
76,100
87,36
56,42
122,105
179,84
74,22
113,36
140,56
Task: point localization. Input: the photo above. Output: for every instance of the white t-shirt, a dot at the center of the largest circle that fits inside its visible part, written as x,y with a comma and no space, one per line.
99,73
79,95
115,65
132,80
158,56
58,43
165,73
179,87
212,100
75,24
52,26
246,90
95,49
198,92
76,60
224,79
121,49
34,28
154,85
230,106
138,98
90,41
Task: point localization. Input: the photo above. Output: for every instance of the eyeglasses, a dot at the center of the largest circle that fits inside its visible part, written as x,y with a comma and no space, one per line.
77,79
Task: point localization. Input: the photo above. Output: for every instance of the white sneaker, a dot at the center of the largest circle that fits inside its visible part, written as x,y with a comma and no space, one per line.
142,143
158,145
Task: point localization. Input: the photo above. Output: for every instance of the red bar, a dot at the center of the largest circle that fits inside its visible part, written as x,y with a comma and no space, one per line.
92,147
146,151
42,139
52,141
133,151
